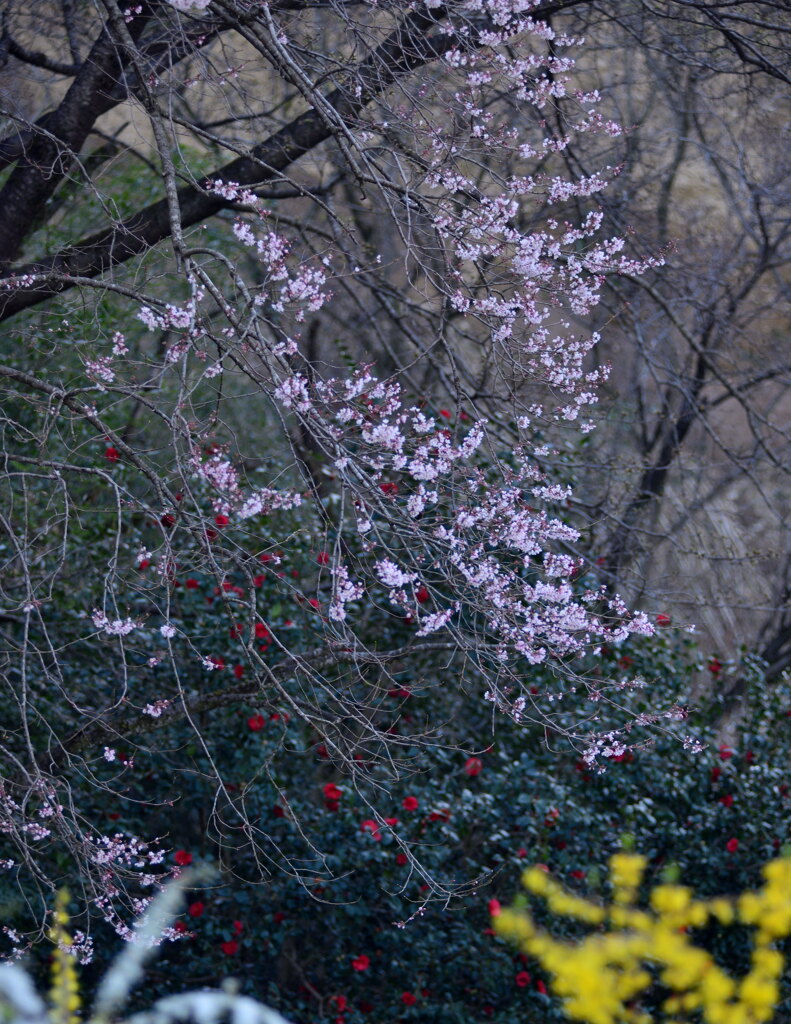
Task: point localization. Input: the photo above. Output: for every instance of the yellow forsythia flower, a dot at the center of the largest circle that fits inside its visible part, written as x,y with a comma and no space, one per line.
65,990
600,978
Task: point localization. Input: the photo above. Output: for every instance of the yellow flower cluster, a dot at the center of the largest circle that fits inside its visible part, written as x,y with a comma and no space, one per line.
65,989
600,979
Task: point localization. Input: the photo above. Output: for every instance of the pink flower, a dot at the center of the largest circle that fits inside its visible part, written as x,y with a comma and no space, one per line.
361,963
410,803
473,766
732,845
182,858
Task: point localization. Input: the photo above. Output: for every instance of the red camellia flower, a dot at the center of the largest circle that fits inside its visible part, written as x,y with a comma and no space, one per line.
401,858
732,845
410,803
278,811
361,963
522,979
196,909
182,858
716,771
408,999
112,454
238,671
473,766
663,620
421,595
445,414
323,558
578,874
340,1002
238,927
372,827
714,666
541,987
256,723
494,908
180,927
191,584
168,520
725,752
388,488
230,948
221,521
332,792
726,801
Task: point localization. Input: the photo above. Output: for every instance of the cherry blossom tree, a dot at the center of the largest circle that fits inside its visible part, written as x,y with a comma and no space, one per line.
285,424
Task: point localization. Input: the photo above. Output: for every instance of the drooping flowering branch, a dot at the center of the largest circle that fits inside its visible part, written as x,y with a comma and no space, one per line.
371,351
